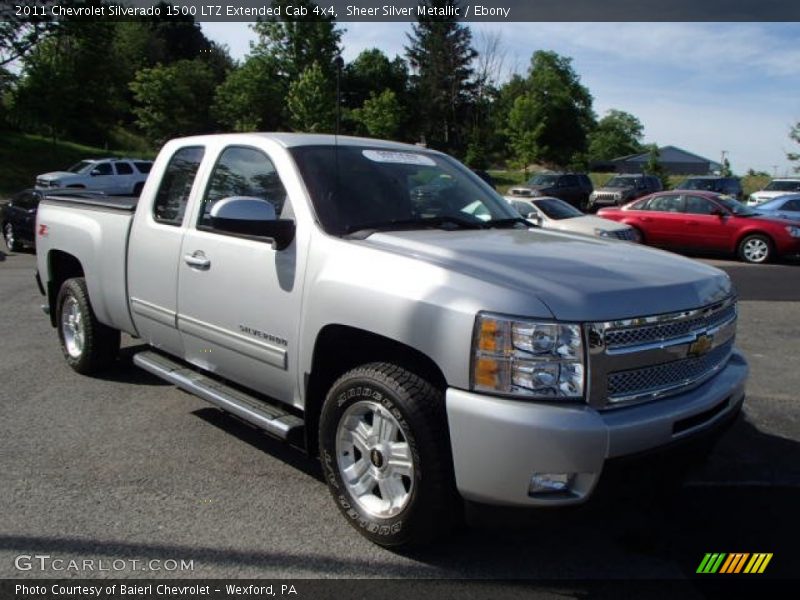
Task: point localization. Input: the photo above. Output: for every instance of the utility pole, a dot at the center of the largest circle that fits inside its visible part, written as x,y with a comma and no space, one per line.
722,162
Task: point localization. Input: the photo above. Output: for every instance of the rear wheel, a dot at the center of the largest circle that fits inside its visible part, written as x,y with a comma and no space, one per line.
755,249
385,451
88,345
10,237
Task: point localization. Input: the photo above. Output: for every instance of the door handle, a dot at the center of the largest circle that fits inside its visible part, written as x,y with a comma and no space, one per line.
197,260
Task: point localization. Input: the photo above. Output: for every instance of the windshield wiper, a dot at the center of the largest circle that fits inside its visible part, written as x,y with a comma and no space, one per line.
448,222
501,223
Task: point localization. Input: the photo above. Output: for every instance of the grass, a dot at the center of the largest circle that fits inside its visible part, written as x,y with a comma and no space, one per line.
24,156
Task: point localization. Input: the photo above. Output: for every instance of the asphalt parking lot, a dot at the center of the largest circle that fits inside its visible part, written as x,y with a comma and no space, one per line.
126,467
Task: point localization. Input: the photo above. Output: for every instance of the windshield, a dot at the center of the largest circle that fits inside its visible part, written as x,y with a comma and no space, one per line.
783,186
357,188
557,209
81,167
777,203
542,179
709,185
621,182
736,207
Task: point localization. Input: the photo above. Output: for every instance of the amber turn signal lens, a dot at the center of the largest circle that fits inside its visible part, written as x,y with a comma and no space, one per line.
486,371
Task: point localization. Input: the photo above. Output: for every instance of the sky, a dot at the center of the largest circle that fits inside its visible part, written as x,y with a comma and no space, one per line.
704,87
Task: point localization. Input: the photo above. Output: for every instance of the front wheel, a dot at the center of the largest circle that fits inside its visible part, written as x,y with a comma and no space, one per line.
88,345
756,249
385,451
10,237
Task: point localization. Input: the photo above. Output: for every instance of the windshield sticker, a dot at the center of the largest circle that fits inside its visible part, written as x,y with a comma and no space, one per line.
402,158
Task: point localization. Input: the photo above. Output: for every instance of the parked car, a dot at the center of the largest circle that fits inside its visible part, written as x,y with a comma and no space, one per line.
18,219
288,279
706,221
574,188
621,189
784,207
730,186
775,188
552,213
108,175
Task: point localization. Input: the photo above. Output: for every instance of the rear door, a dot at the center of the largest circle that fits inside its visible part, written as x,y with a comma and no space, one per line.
155,246
662,220
124,180
238,311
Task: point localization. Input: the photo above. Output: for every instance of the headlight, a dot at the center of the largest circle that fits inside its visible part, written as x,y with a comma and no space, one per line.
617,196
794,231
528,359
601,232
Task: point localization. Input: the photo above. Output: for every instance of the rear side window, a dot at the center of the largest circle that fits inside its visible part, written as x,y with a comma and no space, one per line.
242,171
791,205
123,168
176,185
665,204
143,166
569,181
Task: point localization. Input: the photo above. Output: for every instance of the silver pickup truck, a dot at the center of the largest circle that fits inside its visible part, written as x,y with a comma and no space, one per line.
381,305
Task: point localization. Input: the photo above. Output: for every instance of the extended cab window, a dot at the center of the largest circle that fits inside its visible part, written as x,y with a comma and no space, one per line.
176,185
242,171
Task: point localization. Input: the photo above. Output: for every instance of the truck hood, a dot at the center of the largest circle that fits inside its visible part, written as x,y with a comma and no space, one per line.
585,224
577,277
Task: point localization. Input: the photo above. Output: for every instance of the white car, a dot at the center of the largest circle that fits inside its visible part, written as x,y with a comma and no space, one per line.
552,213
107,175
775,188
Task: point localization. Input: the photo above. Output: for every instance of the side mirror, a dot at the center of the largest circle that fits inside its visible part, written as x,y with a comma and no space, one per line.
718,212
252,217
534,219
95,172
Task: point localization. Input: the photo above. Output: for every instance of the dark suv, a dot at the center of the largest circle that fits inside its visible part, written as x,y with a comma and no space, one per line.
621,189
730,186
573,188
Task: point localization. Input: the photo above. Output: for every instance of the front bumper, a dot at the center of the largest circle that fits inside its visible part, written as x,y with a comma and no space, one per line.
498,444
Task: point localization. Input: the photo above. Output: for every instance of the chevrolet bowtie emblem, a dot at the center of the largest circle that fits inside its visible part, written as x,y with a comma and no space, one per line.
701,345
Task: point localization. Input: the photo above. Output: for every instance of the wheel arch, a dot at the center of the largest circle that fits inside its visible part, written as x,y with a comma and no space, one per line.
339,348
60,266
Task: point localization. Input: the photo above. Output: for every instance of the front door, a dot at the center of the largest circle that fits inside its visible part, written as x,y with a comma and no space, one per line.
707,226
238,298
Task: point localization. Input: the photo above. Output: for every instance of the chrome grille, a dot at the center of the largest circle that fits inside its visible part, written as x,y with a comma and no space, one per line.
658,377
604,197
645,358
621,338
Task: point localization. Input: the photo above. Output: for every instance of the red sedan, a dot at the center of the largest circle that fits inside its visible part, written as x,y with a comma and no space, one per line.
705,221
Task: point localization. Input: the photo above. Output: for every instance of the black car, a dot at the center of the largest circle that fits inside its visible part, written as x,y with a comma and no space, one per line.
730,186
18,219
622,189
573,188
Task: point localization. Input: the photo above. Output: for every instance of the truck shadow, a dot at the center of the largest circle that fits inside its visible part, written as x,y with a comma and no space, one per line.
124,371
740,501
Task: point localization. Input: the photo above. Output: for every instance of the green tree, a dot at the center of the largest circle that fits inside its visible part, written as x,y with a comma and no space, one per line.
440,53
653,166
311,102
250,98
19,34
726,171
174,100
617,134
794,135
558,113
371,73
381,115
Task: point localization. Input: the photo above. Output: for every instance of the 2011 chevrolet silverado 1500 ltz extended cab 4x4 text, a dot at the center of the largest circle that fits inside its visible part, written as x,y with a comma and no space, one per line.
429,343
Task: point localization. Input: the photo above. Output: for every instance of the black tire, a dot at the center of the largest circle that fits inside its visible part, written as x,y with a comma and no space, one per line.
639,234
137,189
433,506
99,345
10,238
756,249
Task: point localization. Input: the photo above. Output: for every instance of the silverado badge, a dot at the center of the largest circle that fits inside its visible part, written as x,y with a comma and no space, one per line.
701,345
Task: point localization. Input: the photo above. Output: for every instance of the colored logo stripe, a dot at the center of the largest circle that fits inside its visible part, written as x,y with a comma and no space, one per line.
720,562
